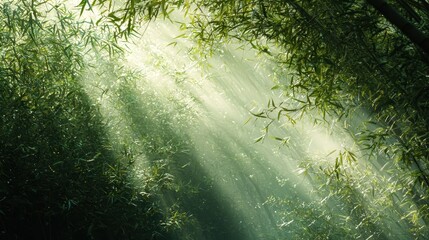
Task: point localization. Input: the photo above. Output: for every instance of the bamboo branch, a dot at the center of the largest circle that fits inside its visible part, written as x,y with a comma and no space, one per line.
408,29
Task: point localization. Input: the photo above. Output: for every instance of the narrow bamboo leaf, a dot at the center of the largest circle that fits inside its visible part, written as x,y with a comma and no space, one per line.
259,139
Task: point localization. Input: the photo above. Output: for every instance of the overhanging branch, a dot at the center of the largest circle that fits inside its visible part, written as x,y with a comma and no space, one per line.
408,29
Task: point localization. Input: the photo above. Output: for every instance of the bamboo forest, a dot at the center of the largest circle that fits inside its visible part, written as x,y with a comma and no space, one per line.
214,119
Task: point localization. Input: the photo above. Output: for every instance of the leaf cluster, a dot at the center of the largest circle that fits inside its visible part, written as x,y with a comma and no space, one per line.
60,176
342,56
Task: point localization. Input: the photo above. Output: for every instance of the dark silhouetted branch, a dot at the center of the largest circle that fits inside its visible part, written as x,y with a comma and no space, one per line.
409,30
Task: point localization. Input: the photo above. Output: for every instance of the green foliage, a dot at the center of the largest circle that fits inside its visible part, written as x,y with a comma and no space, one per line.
360,61
152,125
126,15
60,177
344,56
353,203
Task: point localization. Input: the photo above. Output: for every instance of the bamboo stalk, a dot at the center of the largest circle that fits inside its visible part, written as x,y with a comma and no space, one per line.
409,30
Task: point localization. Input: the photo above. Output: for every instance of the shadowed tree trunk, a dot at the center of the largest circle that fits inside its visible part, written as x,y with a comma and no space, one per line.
415,35
410,11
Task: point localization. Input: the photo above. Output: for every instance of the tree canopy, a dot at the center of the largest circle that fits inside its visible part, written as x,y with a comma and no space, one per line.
342,59
343,56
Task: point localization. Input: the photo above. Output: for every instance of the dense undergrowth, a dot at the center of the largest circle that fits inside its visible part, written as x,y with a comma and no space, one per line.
61,177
